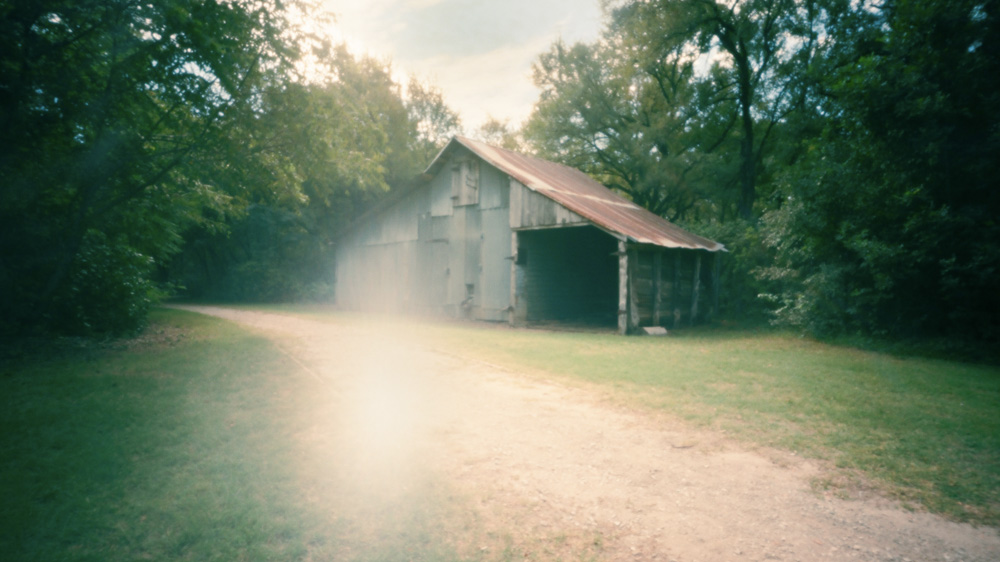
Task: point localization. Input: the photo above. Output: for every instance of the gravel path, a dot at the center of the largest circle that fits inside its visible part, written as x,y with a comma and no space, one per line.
544,472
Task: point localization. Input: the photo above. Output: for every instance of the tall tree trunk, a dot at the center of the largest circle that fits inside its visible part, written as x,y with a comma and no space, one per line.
748,160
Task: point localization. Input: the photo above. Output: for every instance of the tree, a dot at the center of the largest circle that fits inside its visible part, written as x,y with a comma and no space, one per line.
499,133
748,40
889,221
597,114
110,110
671,89
435,122
346,142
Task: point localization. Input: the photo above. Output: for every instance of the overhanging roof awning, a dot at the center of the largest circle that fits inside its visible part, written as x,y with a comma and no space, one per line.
581,194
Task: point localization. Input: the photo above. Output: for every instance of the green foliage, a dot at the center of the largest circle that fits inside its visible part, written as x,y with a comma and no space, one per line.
741,285
754,48
118,119
435,122
109,291
500,133
344,144
182,132
265,256
598,114
679,103
889,226
864,137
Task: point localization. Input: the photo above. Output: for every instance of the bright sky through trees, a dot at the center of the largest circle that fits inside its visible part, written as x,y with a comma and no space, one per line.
478,52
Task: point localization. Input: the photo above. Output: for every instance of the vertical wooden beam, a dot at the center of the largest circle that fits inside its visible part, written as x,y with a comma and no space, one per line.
512,316
633,294
696,287
716,280
622,287
657,284
675,298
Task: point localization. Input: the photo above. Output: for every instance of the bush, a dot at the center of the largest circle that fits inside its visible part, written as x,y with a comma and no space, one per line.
109,290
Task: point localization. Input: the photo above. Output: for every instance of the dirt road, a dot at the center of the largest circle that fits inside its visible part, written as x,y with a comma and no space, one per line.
537,471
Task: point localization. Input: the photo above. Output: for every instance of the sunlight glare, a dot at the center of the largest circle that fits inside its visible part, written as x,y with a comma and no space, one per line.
387,411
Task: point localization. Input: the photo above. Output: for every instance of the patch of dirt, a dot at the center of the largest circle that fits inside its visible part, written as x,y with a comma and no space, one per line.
156,336
538,471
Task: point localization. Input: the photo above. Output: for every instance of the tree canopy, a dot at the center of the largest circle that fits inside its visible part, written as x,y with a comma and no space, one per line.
115,122
846,152
888,222
133,134
677,104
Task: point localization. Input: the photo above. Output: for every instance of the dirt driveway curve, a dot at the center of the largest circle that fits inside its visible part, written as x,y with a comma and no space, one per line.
545,472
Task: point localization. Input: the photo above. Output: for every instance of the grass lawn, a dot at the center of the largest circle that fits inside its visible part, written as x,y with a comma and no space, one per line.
924,431
177,446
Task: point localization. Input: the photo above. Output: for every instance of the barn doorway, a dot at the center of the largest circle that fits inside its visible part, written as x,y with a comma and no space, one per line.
567,275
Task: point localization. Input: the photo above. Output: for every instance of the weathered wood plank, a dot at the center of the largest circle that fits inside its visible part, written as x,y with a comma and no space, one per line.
695,288
716,280
657,284
622,288
633,294
676,297
516,312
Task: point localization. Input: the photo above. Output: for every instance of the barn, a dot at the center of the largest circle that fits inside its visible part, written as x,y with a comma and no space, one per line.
495,235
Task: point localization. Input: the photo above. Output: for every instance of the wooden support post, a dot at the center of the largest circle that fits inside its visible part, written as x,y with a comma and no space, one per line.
675,298
716,281
512,309
633,295
622,287
657,284
696,287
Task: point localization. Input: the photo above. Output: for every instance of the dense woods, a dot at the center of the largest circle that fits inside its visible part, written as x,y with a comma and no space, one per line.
846,152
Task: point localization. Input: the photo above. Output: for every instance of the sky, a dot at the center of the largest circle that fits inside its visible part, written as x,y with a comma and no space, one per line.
477,52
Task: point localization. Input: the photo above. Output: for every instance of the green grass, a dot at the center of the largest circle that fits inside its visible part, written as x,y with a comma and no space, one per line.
924,431
156,452
177,446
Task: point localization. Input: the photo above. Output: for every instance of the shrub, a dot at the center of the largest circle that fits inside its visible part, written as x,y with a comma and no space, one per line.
109,290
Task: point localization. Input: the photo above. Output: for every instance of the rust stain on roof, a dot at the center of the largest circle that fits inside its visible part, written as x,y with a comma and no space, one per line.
586,197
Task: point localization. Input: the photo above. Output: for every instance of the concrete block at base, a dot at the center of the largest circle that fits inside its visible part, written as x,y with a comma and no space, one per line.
655,331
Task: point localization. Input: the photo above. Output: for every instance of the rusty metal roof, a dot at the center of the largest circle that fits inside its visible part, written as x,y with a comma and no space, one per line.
584,196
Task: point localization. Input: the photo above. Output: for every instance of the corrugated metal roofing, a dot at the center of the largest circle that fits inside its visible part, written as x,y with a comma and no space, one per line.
583,195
